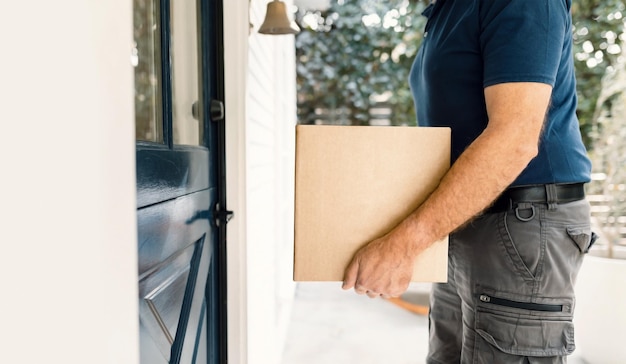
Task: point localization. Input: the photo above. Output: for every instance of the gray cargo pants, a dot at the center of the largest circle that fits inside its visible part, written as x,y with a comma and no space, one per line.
510,291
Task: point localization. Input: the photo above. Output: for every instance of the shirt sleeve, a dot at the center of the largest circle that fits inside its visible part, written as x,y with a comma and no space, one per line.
522,40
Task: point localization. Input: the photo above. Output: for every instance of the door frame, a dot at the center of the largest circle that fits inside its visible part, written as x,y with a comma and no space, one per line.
236,31
212,23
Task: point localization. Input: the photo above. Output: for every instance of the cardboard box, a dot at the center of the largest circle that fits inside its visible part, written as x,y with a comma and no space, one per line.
354,184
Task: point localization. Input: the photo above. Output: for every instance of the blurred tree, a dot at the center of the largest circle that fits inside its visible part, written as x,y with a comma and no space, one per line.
354,51
359,49
608,186
145,60
598,35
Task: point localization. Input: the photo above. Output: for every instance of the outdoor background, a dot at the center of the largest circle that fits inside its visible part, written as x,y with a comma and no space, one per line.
353,62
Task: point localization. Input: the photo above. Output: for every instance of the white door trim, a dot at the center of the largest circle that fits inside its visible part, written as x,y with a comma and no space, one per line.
236,27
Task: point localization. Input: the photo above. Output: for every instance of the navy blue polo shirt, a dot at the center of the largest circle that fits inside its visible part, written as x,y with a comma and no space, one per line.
472,44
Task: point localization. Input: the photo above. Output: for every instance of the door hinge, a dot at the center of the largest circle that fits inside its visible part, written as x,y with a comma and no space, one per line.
222,216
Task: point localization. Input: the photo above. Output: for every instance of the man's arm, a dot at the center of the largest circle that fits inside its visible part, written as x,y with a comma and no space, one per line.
486,168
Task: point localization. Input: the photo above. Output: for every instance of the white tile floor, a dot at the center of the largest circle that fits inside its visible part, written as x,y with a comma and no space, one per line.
332,326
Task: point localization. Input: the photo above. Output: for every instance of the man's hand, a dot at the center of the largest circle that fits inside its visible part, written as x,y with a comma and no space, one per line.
383,267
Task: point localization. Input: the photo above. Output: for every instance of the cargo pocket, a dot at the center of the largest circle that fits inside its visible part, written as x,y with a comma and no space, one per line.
512,327
583,237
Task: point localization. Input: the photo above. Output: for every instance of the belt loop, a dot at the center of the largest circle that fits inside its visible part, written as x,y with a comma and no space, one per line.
551,196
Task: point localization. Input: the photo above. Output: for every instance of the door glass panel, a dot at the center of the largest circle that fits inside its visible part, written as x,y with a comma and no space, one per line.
145,58
186,92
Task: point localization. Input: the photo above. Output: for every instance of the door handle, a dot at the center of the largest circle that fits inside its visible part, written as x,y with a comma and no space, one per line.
217,110
218,215
222,216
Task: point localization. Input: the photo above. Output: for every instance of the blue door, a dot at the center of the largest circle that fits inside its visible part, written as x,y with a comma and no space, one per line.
181,213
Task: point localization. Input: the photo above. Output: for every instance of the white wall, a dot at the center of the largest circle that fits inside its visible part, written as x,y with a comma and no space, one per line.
270,131
68,260
260,119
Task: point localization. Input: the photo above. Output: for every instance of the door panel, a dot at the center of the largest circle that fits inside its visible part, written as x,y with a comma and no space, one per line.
167,173
170,226
179,181
174,257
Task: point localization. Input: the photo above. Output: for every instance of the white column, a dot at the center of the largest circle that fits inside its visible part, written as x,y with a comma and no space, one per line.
235,74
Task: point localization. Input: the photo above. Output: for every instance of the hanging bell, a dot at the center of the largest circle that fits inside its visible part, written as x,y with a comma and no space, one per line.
276,20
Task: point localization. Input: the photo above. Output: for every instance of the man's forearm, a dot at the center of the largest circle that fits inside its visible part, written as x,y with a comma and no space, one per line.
486,168
480,174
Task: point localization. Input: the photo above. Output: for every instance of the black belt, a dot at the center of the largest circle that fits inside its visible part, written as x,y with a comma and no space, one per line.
561,193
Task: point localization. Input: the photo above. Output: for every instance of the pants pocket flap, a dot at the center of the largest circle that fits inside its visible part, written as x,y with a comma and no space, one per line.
524,336
582,237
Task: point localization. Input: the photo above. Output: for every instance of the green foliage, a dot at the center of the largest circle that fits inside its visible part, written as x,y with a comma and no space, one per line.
344,56
354,50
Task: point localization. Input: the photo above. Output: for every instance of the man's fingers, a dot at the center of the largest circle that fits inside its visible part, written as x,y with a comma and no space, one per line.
349,279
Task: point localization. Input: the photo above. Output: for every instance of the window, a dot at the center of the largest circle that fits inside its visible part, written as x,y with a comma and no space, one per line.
167,74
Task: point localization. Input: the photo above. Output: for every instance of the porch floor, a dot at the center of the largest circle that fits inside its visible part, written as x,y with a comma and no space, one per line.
332,326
